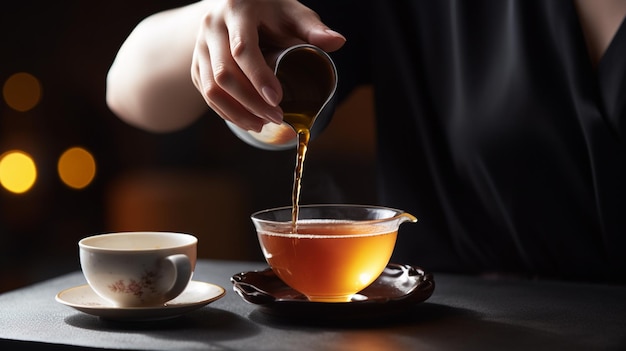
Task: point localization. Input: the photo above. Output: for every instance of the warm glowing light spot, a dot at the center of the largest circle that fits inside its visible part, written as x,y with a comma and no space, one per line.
365,278
22,91
76,167
17,171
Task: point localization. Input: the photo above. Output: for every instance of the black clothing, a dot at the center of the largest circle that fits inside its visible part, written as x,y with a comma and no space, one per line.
495,131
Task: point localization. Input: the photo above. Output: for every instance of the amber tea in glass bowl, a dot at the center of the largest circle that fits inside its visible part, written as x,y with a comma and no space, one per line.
334,252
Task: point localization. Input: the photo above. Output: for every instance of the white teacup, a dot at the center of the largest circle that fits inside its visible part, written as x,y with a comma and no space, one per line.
138,269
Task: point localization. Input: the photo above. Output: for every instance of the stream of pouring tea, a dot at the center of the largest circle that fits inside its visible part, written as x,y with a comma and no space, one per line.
301,123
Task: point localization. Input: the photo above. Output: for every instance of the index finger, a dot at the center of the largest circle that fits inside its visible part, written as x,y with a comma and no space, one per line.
245,50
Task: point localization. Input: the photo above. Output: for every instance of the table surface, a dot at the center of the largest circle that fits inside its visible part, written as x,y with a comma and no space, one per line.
464,313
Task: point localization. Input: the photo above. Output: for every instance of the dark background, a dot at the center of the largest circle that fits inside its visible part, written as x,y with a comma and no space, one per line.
200,180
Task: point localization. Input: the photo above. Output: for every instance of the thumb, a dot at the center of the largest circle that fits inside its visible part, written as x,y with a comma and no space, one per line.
325,38
308,27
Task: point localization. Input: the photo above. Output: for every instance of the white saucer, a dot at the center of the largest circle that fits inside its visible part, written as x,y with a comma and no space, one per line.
84,299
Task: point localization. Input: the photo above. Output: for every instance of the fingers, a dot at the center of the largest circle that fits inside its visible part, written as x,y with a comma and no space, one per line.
224,86
229,67
246,52
238,81
216,97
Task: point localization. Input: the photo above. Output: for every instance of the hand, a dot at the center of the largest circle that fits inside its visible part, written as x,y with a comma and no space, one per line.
228,66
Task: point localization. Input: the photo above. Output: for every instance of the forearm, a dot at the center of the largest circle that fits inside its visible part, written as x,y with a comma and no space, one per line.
149,84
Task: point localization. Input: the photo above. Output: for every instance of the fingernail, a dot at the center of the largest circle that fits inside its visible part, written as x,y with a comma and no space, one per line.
257,128
335,34
270,95
275,115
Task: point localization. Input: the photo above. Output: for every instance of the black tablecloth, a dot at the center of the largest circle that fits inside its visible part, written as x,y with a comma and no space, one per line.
464,313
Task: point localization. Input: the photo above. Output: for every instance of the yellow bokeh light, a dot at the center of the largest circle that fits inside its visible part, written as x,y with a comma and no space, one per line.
76,167
22,91
18,172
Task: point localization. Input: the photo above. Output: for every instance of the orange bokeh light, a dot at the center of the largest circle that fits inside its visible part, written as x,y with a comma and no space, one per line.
76,167
22,91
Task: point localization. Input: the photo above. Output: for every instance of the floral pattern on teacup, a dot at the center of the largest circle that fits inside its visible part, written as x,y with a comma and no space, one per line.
146,283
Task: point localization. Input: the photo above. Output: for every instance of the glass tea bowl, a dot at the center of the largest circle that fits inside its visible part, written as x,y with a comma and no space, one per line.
332,251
